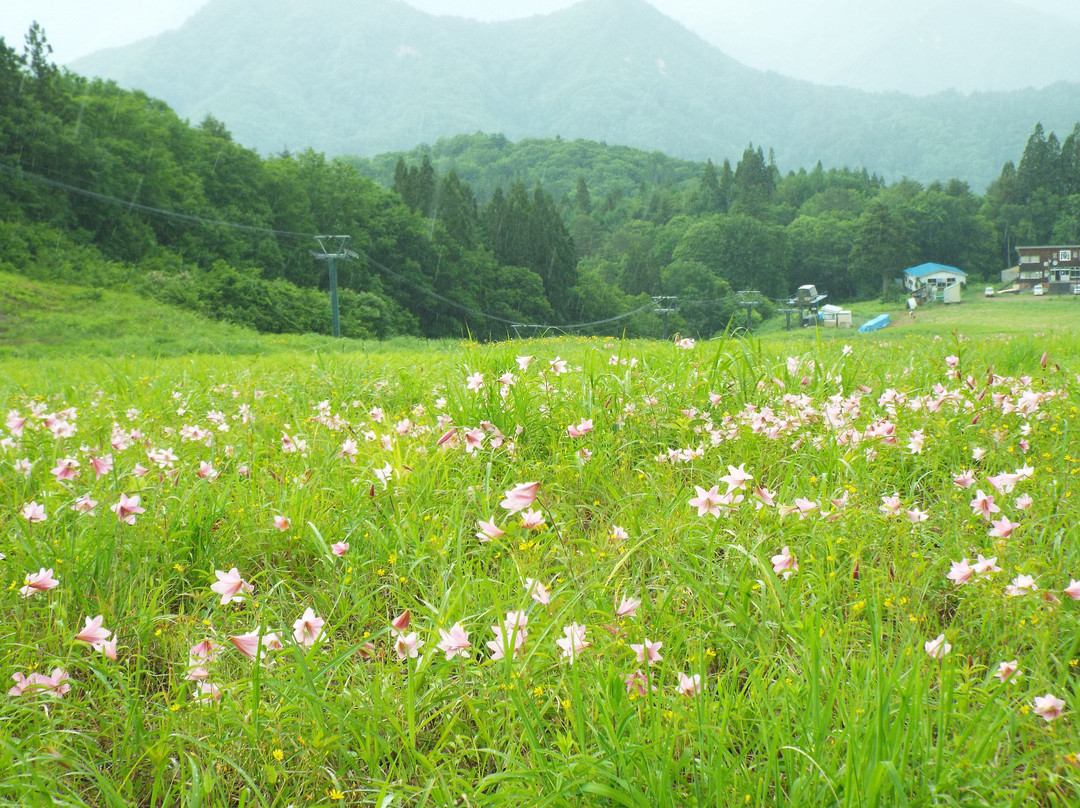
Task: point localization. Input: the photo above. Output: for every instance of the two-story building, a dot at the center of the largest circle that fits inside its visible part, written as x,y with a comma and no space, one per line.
1056,267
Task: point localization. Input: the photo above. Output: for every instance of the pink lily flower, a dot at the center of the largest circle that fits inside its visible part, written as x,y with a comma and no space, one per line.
15,423
207,649
707,502
961,572
56,684
503,635
1020,586
915,516
197,673
983,504
736,478
349,450
937,647
1073,589
1049,707
407,645
67,468
474,439
532,520
804,506
308,628
520,497
32,512
230,586
689,685
537,591
94,634
1004,483
523,362
247,644
647,652
127,509
101,465
400,624
1024,501
1007,671
891,505
574,642
22,683
84,505
628,607
282,523
637,683
455,642
580,429
764,497
475,382
1003,528
984,566
488,530
785,564
41,581
339,548
965,479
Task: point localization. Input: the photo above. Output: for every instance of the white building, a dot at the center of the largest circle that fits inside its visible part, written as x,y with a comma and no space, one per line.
936,281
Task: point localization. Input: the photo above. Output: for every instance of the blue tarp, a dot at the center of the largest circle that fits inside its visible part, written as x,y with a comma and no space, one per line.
880,321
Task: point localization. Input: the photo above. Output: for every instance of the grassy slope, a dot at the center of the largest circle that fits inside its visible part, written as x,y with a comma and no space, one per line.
976,316
39,320
817,689
42,320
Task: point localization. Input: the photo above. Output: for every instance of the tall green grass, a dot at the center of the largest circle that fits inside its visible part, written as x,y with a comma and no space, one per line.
816,690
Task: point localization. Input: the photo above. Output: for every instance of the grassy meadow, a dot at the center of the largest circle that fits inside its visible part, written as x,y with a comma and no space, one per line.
817,568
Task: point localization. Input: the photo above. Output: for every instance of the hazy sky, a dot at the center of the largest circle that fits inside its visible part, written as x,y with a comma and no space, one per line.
77,27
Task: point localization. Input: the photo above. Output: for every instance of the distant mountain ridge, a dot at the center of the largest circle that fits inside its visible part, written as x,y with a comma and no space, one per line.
917,47
382,76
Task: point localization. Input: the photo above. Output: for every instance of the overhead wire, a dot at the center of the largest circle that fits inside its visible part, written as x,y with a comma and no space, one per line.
130,204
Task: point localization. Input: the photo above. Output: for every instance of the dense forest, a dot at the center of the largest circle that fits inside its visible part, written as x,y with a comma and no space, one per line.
107,187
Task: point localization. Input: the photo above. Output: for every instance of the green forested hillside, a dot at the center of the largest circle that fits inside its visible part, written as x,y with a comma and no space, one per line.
108,188
365,78
487,162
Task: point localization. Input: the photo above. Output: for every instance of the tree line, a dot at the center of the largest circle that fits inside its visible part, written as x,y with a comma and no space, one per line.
435,256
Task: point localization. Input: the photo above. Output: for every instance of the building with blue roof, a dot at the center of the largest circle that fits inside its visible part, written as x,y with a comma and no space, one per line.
935,281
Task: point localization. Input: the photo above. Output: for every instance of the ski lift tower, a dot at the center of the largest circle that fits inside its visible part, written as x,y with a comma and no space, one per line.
333,248
807,299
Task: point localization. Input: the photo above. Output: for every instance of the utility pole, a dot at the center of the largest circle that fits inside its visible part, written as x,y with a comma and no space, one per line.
663,311
333,248
749,305
788,312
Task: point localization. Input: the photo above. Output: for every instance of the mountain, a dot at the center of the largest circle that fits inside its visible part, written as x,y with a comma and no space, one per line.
918,47
377,76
